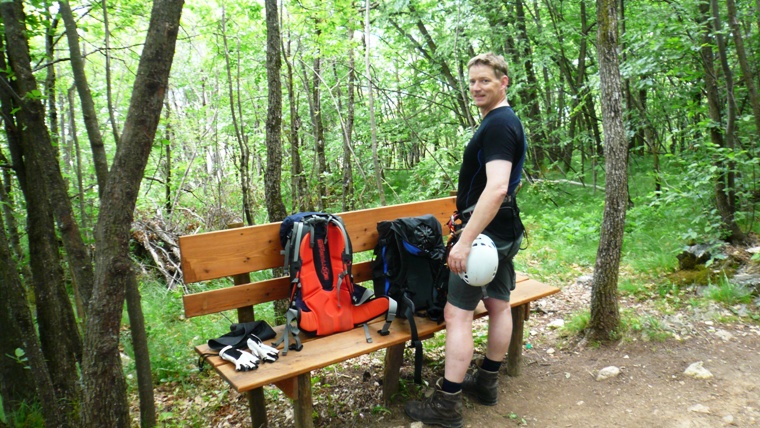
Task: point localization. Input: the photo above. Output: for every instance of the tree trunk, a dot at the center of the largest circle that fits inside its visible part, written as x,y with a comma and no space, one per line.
76,251
299,187
105,401
8,203
168,167
142,355
109,91
245,151
605,315
273,174
371,100
52,112
724,190
85,96
529,96
16,381
348,175
319,133
20,380
6,186
58,331
748,74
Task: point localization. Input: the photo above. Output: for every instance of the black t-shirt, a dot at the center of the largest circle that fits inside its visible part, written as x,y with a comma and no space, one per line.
500,136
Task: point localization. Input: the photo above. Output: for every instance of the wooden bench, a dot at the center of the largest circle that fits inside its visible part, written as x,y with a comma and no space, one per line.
240,251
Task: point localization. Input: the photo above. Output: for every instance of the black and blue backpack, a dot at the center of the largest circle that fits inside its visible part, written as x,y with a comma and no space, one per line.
409,266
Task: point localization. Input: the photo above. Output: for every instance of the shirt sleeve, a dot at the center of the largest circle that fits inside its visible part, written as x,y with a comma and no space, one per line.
499,142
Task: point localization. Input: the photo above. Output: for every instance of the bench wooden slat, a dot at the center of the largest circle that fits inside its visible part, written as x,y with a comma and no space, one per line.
230,252
322,352
223,299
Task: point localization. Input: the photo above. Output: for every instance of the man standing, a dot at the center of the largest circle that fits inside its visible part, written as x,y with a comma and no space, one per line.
488,181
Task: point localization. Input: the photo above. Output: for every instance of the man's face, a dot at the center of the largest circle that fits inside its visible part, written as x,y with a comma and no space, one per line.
486,89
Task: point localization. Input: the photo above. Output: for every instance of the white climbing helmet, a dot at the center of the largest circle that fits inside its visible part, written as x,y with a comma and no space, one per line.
482,262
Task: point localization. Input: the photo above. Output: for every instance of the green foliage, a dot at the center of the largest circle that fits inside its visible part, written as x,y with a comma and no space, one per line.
633,287
19,356
577,324
728,292
25,415
378,410
433,177
519,420
171,336
690,183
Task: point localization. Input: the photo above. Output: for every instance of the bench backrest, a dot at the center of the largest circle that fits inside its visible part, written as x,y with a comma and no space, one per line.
249,249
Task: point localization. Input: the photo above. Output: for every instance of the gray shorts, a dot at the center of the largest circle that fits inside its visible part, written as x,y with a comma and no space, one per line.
467,297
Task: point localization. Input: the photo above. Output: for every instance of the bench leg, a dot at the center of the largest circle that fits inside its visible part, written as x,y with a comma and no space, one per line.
258,407
394,356
514,355
303,408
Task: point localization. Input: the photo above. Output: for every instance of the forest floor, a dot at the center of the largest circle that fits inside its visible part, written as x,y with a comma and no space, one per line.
558,386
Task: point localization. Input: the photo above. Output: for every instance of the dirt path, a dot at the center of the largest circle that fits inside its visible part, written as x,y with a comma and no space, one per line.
558,385
561,390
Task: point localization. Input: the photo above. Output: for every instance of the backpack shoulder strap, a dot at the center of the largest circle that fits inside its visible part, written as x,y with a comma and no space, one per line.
348,254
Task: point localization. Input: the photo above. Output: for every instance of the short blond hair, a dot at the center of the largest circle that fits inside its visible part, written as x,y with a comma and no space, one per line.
496,62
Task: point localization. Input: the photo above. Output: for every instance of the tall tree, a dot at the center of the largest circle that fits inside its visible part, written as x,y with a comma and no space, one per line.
105,401
109,90
713,100
17,383
25,377
241,138
725,183
298,187
741,53
371,100
605,315
315,112
273,175
32,157
529,95
348,174
85,96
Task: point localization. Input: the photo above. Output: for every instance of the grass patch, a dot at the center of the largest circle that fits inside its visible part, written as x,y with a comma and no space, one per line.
577,324
728,293
647,327
634,287
25,415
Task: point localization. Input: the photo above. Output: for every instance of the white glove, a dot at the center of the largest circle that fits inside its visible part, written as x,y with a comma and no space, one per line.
243,361
265,352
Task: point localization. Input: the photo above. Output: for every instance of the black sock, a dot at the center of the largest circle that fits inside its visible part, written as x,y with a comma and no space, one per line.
451,387
490,365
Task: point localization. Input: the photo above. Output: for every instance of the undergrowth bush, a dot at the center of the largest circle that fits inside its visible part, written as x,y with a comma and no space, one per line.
728,292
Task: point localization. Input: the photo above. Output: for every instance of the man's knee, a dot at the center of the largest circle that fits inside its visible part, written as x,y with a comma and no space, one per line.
456,316
497,307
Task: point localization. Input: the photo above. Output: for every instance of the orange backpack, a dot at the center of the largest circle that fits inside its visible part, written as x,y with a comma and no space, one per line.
324,298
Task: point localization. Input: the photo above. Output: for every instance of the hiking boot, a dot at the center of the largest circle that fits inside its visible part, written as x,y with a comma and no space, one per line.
441,408
484,385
